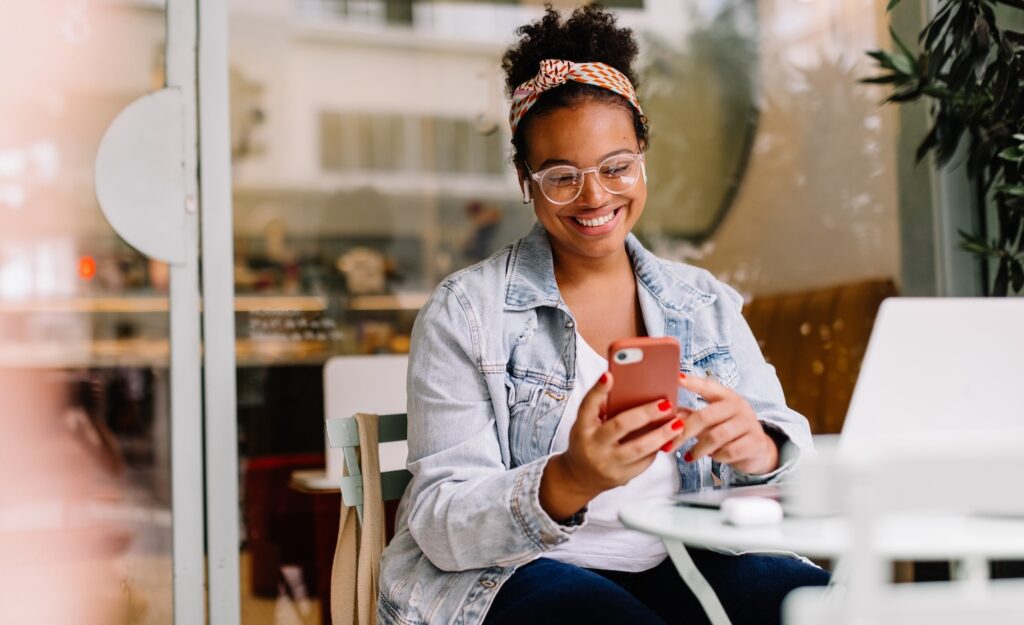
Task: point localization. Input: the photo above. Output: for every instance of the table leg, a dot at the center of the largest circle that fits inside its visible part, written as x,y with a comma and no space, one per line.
696,582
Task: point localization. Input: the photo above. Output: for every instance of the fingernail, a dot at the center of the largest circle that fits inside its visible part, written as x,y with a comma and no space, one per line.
688,457
604,378
664,405
682,376
667,447
678,424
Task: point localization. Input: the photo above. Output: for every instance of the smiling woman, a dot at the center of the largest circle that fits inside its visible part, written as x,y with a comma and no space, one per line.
518,478
602,207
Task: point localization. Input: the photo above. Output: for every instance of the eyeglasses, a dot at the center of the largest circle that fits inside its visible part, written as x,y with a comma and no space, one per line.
617,174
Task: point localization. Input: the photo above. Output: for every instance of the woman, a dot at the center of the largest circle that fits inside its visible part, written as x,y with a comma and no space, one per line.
511,516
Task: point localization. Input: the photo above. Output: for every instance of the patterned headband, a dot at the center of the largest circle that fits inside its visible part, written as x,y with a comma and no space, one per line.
554,73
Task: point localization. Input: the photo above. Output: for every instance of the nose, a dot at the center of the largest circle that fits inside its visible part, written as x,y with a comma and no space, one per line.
593,194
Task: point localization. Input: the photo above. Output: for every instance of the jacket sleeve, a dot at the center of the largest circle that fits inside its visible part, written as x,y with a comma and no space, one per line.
467,509
759,385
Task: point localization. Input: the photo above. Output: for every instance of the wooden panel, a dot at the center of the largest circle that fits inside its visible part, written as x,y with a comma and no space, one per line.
780,340
814,342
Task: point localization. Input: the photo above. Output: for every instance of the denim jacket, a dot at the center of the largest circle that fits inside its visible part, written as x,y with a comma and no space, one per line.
492,362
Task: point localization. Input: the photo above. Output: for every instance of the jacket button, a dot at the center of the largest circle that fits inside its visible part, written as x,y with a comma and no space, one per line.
488,583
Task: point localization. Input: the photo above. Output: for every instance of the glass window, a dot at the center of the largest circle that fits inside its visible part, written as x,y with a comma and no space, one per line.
85,506
385,166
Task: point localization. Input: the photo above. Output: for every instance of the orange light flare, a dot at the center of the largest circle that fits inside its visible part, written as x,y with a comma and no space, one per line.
87,268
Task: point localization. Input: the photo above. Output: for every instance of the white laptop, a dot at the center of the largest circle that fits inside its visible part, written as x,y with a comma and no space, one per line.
935,366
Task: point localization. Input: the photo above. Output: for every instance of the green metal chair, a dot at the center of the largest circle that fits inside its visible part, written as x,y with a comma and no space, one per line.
344,433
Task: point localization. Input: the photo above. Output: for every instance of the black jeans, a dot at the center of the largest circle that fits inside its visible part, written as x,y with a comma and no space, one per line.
750,587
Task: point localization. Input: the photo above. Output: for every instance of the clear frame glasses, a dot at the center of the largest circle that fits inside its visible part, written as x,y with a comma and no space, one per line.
617,174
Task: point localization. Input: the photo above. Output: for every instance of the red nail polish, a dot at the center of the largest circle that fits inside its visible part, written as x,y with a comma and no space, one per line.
667,447
688,457
664,405
604,378
682,376
678,424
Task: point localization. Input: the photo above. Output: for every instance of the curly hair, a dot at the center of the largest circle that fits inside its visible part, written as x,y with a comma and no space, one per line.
589,35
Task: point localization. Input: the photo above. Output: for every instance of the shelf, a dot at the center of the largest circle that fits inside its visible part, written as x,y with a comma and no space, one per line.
154,353
156,303
243,303
397,301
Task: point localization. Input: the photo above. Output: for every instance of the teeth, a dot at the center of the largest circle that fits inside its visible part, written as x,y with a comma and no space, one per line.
600,221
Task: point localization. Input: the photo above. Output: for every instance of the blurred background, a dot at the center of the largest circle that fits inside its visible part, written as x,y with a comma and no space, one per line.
369,159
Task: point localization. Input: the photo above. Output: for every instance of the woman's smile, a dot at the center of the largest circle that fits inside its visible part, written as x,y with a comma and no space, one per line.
596,223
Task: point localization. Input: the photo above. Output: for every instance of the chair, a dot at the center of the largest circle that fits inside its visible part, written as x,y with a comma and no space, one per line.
364,488
354,385
373,384
874,491
344,433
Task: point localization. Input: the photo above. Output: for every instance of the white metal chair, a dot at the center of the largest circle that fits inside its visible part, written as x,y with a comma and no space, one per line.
373,384
368,474
984,477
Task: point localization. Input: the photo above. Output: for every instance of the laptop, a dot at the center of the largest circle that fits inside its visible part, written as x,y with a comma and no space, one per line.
933,365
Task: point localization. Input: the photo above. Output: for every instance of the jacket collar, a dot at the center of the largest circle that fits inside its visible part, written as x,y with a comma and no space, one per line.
531,276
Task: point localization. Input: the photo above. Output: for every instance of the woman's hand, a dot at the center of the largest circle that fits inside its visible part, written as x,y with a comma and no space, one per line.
727,429
601,454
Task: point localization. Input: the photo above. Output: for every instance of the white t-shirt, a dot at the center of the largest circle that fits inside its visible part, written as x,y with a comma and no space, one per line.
603,542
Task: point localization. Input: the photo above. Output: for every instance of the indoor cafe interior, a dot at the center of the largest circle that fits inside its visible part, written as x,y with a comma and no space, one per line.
220,221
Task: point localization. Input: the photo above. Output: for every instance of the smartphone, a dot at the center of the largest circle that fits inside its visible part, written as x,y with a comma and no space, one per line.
645,369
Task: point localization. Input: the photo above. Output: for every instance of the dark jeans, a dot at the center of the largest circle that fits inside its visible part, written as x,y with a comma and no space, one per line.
750,587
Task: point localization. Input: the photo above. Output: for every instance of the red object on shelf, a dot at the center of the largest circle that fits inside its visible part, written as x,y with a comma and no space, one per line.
87,268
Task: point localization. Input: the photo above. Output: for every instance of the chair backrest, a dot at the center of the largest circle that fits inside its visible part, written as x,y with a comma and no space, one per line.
343,433
373,384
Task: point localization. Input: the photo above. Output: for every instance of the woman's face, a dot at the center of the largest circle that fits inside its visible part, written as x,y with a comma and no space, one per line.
583,136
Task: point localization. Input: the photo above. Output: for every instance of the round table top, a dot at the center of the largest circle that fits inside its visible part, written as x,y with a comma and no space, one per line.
900,537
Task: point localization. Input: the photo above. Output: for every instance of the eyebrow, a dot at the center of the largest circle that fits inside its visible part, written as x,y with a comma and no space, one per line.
551,162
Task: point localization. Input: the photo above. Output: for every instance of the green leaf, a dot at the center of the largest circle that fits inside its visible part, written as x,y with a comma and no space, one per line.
1019,138
1001,286
975,244
975,248
1014,155
1015,190
1016,275
880,80
903,47
903,64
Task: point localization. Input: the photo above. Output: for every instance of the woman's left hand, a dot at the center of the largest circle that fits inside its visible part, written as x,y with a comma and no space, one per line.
727,429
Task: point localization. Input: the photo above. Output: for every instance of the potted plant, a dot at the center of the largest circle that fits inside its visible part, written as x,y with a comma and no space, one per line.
972,73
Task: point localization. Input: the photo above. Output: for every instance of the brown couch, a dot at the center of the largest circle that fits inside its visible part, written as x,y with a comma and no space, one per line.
816,341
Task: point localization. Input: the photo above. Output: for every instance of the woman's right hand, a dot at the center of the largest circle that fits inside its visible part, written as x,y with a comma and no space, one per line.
601,454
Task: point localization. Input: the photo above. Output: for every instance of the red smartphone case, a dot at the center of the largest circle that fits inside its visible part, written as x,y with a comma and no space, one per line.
654,377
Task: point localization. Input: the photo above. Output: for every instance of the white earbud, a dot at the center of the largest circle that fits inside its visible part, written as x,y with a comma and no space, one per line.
527,197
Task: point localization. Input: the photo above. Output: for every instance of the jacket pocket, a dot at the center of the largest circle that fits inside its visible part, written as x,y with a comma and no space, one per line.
535,409
719,366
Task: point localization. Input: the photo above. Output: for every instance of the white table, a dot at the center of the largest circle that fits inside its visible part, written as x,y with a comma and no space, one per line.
972,539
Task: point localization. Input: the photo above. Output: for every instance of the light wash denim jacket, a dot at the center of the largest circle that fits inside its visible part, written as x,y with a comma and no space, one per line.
492,362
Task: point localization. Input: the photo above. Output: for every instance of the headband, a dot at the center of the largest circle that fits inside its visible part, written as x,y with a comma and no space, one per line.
555,72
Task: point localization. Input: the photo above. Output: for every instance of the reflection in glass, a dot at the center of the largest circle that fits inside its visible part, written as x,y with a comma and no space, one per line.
698,89
371,160
85,513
